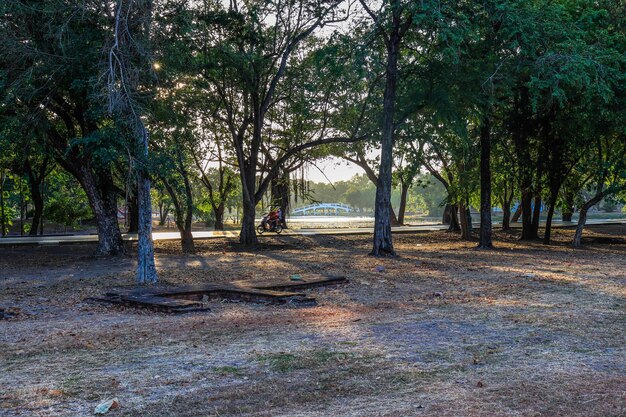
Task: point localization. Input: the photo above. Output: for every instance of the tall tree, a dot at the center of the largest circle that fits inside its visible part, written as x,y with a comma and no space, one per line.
129,66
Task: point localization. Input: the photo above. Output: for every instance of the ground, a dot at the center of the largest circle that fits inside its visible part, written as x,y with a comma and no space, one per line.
443,330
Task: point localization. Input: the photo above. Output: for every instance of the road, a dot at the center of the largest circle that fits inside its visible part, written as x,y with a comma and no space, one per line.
56,240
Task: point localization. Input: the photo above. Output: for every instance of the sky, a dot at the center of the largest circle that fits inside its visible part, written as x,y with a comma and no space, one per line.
333,169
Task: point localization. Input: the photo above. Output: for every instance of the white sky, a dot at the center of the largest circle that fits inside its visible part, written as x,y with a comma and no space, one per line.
334,169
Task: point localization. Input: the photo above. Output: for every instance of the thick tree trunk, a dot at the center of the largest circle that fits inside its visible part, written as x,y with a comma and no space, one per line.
455,225
102,201
404,191
247,235
146,268
219,217
186,240
485,186
383,243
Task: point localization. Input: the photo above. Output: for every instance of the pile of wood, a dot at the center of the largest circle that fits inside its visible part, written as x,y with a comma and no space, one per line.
196,297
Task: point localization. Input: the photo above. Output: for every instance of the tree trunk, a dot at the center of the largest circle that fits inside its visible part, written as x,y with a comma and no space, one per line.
568,207
548,231
485,186
37,215
164,211
35,193
536,216
466,223
446,217
527,221
132,212
517,214
455,225
186,240
247,235
102,201
582,216
404,191
567,216
582,219
506,215
219,217
383,243
2,218
146,268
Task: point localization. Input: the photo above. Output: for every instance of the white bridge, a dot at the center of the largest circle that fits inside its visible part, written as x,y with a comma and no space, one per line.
322,209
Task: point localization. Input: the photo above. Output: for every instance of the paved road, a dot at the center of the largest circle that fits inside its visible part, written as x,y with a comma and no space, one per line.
56,240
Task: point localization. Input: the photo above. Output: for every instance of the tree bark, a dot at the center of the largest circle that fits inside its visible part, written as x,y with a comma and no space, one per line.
582,216
186,240
582,219
527,221
2,218
34,184
164,211
517,214
219,217
247,235
536,216
103,204
183,209
485,241
404,191
568,207
383,242
455,225
506,215
466,223
146,267
548,231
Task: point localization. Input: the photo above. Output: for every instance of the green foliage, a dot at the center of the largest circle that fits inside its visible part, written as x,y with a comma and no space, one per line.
66,202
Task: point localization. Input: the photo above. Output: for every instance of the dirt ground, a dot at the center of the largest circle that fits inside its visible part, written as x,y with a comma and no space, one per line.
444,330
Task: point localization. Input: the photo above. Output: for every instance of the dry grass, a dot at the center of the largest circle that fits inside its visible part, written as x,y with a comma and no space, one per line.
446,330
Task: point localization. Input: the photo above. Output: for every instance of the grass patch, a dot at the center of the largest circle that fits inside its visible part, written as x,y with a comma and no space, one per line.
228,370
286,362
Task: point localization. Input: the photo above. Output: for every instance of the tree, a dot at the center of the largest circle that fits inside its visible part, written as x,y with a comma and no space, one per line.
55,79
128,65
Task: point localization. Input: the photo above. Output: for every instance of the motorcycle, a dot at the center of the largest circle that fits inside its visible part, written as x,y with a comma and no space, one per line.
265,227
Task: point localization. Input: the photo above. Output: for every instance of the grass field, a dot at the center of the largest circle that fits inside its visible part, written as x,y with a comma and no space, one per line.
444,330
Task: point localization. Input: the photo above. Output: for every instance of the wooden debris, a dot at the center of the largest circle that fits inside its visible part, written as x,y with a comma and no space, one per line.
192,298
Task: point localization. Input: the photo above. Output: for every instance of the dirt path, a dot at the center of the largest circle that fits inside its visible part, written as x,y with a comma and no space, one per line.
445,330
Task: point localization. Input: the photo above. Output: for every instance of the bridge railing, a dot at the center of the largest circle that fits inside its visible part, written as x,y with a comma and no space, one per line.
323,206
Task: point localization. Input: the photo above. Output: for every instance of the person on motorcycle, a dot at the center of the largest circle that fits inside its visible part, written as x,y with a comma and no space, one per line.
274,218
